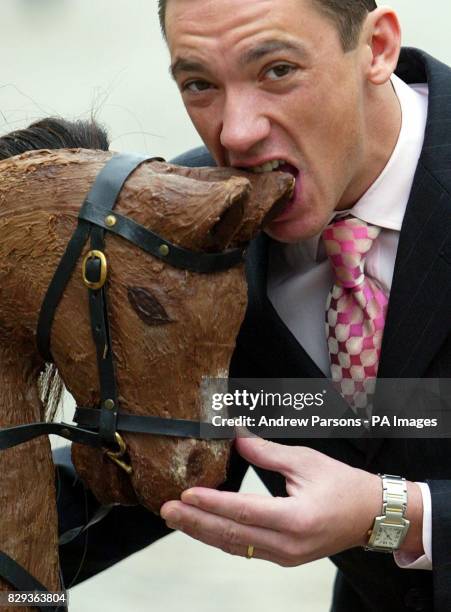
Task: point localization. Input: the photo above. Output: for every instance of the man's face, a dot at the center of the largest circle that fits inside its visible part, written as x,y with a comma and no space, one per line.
266,81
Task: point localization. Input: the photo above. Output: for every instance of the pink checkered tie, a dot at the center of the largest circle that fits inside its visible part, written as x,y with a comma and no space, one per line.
356,311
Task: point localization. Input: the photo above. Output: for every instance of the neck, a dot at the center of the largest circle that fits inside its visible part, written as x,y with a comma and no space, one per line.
383,123
28,529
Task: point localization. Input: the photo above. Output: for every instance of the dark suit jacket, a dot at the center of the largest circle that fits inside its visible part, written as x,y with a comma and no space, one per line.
416,343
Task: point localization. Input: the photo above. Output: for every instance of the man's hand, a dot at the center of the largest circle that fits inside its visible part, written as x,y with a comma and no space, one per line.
330,507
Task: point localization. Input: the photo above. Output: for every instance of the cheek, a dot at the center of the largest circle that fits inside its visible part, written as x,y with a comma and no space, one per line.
329,106
330,136
207,120
346,117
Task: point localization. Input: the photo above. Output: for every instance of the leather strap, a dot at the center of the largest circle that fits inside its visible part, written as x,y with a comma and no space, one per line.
101,200
20,579
104,192
90,417
145,239
112,176
87,418
72,534
57,286
12,436
101,334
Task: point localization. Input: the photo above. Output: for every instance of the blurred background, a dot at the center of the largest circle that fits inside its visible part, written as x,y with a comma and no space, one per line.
77,58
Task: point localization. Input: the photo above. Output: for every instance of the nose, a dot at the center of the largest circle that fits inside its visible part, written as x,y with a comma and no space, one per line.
244,124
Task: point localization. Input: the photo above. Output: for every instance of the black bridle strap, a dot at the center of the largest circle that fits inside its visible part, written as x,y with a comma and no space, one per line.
57,286
20,579
105,189
89,418
112,176
145,239
12,436
100,328
74,532
182,428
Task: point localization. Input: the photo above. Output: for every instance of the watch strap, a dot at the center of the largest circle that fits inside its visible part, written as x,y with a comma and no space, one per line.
394,497
394,506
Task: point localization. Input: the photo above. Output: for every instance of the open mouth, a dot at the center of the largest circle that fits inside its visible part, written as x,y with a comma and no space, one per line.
282,211
276,165
289,169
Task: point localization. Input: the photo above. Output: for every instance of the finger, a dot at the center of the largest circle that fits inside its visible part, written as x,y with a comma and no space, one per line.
274,513
229,532
232,537
241,551
267,454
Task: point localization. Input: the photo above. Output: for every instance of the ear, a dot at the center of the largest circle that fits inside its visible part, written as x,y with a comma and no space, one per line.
382,36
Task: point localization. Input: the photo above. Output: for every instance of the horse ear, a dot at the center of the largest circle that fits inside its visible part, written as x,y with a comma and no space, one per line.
261,200
195,214
267,197
247,210
231,214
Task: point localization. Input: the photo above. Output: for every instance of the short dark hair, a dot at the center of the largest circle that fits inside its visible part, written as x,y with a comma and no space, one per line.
347,15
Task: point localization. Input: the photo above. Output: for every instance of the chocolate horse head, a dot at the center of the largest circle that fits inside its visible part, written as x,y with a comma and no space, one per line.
169,327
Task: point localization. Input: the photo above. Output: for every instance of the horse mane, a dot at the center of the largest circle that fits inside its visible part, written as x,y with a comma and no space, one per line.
53,133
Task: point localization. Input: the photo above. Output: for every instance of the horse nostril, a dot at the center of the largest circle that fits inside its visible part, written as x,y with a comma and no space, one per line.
195,463
147,307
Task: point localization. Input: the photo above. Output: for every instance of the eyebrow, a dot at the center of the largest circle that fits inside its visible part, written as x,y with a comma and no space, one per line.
271,46
185,65
253,55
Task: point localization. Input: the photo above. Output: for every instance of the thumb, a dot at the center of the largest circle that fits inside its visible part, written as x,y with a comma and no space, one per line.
267,454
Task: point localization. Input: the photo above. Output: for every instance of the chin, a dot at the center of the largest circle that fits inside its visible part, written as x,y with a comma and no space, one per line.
291,231
303,218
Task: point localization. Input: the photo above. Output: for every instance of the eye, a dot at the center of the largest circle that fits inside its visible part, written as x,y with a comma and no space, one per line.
196,86
279,71
147,307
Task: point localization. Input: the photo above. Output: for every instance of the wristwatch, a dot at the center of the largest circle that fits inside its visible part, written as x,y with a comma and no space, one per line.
390,529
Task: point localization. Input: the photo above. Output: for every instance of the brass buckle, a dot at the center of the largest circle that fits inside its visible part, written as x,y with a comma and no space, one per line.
116,455
103,269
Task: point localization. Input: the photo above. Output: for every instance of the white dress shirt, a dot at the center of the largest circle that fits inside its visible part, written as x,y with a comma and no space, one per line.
300,275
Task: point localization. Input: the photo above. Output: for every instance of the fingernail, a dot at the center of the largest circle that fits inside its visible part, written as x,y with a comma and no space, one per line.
171,516
190,498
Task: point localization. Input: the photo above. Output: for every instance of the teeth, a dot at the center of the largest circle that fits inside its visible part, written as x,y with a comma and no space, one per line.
267,167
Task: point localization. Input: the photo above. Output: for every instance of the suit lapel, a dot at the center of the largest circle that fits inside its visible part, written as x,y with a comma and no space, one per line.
286,357
418,319
279,355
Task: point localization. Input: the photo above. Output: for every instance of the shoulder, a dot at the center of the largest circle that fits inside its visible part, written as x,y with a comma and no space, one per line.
194,158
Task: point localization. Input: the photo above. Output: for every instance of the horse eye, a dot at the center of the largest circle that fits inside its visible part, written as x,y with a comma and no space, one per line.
147,307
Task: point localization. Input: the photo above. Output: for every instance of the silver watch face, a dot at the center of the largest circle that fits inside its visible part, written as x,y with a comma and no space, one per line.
388,535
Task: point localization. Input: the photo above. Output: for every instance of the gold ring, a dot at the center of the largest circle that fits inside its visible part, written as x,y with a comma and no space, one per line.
250,552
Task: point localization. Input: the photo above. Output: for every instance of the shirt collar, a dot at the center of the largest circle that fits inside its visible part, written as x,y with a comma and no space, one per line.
385,202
